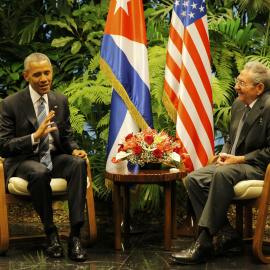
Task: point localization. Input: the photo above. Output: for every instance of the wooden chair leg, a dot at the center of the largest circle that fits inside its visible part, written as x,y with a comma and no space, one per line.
91,210
239,218
258,236
248,222
4,233
261,220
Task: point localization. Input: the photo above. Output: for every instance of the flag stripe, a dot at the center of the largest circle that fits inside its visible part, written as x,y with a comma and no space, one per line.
173,67
191,132
117,104
200,107
187,81
127,76
176,42
192,49
204,36
128,47
186,103
171,94
198,82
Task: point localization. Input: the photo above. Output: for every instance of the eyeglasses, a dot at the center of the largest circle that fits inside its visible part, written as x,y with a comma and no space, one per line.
243,83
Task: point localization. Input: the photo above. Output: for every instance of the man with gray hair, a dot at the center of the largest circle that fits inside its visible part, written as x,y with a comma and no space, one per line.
37,143
244,156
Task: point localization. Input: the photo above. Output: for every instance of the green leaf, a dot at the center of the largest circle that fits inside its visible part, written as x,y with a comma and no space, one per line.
1,72
87,26
236,27
76,46
238,36
61,24
61,42
16,66
28,32
10,92
15,76
72,22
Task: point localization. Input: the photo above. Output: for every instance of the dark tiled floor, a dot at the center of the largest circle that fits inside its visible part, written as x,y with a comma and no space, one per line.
143,251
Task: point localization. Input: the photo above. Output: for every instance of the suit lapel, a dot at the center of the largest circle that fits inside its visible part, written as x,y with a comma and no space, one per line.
53,106
28,107
238,115
253,115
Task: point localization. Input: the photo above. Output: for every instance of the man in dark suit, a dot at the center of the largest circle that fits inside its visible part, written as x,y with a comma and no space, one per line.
37,143
244,156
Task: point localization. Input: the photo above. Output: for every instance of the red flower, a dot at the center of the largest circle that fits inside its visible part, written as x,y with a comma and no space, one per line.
129,136
149,139
157,153
178,150
121,148
116,161
137,150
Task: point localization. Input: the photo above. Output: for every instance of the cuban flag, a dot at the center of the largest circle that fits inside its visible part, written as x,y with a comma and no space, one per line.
124,60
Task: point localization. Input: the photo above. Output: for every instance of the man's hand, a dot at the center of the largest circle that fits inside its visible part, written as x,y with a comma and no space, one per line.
44,127
227,159
79,153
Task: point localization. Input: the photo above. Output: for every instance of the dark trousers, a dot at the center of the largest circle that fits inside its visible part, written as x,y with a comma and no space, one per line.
71,168
211,192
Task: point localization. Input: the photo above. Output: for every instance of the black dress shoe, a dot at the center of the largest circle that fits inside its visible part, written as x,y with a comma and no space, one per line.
75,250
228,244
195,254
53,247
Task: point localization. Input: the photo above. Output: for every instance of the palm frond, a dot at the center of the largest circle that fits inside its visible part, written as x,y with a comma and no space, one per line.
77,120
262,59
104,121
150,197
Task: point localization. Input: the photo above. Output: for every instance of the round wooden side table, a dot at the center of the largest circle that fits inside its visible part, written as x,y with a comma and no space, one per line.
125,177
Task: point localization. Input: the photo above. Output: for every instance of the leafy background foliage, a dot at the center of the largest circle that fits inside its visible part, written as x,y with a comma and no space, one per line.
70,33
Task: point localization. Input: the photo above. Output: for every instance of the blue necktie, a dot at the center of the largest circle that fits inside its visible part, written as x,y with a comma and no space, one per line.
44,145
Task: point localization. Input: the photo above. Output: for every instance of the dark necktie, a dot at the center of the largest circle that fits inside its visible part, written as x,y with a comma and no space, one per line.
241,123
44,145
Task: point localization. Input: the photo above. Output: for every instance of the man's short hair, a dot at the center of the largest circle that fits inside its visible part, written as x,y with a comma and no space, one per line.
260,74
35,57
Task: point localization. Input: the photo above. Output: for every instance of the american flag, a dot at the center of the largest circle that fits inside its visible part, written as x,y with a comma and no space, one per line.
187,86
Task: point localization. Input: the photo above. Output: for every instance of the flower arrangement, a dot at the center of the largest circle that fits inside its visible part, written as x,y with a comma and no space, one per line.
150,146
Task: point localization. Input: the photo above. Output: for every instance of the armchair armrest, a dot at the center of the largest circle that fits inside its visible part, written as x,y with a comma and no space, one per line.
212,159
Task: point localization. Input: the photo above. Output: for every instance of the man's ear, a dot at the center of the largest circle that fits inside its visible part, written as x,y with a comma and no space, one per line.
260,88
25,75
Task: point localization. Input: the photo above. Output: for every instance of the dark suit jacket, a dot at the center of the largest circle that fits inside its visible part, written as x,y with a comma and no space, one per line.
18,121
254,140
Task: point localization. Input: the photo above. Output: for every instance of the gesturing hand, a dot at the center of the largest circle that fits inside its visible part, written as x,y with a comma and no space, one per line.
44,127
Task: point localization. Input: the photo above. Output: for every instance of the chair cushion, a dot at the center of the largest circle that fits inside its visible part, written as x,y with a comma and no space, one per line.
248,189
18,186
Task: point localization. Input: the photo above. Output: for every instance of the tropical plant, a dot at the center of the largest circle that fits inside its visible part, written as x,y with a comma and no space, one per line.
90,97
70,33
